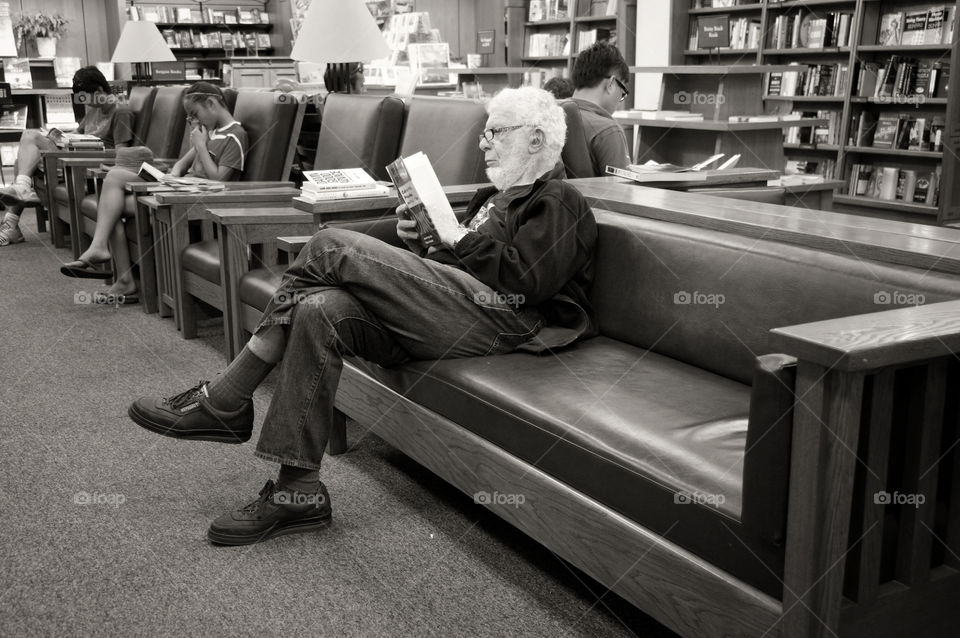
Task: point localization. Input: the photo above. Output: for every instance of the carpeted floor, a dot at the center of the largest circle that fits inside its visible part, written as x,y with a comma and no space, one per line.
407,554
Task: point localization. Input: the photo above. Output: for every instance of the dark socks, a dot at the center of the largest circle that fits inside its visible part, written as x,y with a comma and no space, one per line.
234,387
298,479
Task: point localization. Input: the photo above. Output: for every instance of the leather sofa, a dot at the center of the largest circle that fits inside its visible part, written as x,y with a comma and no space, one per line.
665,446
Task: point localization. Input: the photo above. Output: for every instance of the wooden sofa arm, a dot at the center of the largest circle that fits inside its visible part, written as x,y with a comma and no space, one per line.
871,392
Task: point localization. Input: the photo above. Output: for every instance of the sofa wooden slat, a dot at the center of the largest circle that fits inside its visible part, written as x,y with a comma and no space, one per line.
929,610
677,588
927,386
866,556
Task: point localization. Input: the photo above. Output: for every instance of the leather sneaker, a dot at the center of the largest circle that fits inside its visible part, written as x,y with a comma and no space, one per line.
190,416
274,513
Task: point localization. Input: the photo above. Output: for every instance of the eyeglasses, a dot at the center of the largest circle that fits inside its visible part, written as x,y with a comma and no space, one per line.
490,133
623,88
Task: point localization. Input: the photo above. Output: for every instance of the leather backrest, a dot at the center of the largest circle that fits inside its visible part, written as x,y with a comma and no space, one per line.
709,298
766,194
447,131
140,102
576,151
359,131
272,127
167,121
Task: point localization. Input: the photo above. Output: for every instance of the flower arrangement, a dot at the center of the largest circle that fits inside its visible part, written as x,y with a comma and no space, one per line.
40,25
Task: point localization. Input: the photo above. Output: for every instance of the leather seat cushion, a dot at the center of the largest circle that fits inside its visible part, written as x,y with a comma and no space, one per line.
203,259
60,194
623,425
258,286
88,206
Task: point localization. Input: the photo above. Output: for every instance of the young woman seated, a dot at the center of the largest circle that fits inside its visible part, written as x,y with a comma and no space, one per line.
103,117
218,145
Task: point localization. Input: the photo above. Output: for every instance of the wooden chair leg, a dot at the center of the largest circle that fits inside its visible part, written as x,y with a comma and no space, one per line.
337,443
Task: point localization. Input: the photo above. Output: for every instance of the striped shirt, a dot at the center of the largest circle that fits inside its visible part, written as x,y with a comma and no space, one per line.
227,146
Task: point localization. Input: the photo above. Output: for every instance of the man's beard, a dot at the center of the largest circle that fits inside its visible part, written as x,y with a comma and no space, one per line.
508,173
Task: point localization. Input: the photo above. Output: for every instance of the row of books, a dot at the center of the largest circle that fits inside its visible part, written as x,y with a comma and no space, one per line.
165,14
549,10
710,4
897,131
190,39
538,77
900,77
811,31
828,133
814,79
744,34
893,183
586,38
932,25
548,44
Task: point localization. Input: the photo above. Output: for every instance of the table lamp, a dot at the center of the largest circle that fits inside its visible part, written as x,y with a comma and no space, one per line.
141,43
343,34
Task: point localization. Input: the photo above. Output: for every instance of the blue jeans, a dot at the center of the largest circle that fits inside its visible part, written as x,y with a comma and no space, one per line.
348,294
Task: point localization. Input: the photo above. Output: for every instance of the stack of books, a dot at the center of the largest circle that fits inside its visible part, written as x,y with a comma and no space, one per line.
341,183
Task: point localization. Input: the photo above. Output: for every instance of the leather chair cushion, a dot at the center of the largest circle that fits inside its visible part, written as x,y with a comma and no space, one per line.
271,126
359,131
203,259
88,206
764,285
167,121
258,286
575,155
141,105
627,427
446,130
60,194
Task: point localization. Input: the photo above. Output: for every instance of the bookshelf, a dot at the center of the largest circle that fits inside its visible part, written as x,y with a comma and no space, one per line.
202,33
836,65
546,35
45,103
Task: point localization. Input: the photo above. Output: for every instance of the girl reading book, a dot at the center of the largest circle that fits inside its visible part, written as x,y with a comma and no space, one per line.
218,145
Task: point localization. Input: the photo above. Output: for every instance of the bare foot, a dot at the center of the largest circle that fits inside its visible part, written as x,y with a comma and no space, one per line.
122,288
93,256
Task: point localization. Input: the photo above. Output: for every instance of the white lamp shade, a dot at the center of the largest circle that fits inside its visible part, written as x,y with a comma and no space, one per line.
339,31
141,41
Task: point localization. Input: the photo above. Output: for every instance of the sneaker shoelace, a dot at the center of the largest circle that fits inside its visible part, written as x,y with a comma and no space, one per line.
265,495
186,397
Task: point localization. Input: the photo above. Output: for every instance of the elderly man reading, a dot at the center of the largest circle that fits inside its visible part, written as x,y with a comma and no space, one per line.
514,276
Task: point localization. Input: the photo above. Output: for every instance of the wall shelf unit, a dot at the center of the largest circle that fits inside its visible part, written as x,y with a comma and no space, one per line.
837,82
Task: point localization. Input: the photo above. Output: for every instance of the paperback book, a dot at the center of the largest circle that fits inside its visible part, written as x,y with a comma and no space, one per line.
188,183
423,196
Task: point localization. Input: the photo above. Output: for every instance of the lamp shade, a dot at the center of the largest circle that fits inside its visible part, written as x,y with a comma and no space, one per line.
141,41
339,31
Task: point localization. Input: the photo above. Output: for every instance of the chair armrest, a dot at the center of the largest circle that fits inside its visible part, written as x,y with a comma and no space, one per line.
277,196
292,245
864,343
80,162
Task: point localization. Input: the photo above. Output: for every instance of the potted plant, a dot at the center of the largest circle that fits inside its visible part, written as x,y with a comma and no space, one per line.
44,29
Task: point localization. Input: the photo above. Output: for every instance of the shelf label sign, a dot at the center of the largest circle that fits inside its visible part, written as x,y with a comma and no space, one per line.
485,41
714,32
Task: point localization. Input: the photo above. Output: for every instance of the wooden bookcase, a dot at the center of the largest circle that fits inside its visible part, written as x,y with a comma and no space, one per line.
582,17
862,47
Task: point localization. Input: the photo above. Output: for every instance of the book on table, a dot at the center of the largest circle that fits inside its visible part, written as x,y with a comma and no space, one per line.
423,196
72,141
185,183
340,183
655,172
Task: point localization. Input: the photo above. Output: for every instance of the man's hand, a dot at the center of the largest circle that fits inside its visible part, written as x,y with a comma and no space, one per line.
407,230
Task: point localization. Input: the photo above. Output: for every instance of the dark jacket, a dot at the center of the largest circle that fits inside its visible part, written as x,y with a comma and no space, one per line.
538,242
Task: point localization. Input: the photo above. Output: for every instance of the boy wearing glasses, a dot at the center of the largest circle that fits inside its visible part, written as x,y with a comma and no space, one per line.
514,276
600,76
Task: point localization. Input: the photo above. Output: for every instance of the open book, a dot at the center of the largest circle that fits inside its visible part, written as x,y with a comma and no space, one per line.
421,191
150,173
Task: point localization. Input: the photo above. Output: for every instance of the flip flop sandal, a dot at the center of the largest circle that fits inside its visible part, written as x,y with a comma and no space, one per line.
103,298
86,270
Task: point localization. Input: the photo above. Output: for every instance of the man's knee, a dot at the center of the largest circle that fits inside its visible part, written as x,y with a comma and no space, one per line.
331,237
328,306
